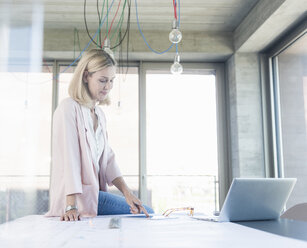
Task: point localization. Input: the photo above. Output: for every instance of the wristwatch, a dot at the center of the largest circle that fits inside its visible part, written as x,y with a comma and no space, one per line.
70,207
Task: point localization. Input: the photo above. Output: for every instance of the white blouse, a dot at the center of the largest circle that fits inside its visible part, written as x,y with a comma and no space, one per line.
95,138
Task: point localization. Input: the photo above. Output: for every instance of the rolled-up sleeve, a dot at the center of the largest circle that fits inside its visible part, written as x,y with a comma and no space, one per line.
66,148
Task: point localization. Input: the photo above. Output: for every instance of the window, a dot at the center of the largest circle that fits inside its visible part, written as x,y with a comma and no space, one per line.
64,80
123,125
181,134
26,99
182,154
290,89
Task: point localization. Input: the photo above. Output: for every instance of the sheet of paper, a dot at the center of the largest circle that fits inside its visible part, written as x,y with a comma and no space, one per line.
151,216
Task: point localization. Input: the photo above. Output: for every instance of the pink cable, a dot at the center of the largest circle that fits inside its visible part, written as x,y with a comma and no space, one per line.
175,9
111,23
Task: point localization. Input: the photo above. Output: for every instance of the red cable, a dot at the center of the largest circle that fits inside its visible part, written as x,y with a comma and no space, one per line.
175,9
111,24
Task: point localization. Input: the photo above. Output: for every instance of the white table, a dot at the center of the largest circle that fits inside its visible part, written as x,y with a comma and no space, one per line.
38,231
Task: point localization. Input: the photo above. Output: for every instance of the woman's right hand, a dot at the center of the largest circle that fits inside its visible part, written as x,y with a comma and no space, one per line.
71,215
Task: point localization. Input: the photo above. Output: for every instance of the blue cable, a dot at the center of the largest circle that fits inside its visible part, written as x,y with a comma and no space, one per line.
178,12
137,19
178,19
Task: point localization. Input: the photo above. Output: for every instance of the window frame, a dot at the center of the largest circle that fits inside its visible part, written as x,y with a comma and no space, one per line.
222,117
222,123
277,167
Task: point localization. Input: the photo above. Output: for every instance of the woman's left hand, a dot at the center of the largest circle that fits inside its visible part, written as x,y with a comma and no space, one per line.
135,204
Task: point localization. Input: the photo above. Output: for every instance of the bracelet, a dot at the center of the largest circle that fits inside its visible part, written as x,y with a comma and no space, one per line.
70,207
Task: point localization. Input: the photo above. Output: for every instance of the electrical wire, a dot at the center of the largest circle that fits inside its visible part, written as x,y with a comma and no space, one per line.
140,30
87,31
88,44
121,57
107,17
120,43
86,27
99,18
175,9
99,21
178,13
121,64
128,37
76,34
112,23
119,24
127,28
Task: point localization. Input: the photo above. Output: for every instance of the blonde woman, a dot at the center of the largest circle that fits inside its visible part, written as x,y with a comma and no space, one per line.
83,163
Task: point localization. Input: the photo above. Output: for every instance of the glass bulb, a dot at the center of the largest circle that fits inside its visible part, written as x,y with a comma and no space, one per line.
176,68
175,36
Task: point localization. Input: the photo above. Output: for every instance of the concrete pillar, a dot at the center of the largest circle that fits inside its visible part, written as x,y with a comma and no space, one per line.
246,133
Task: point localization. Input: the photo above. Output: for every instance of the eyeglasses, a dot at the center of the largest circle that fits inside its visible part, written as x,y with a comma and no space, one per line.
171,210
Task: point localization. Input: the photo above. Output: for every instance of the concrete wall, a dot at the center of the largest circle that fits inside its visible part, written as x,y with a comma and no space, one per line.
196,46
246,134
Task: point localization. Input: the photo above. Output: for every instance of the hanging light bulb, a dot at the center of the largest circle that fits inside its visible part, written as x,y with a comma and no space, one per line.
176,68
175,35
106,47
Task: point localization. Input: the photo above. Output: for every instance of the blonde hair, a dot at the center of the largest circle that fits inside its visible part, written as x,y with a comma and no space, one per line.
93,61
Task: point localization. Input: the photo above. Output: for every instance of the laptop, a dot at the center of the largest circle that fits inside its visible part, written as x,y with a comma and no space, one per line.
251,199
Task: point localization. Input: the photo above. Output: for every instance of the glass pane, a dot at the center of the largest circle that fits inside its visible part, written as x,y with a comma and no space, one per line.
25,105
64,80
122,120
292,73
182,140
200,192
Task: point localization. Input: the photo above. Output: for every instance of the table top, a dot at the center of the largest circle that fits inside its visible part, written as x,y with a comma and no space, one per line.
284,227
138,231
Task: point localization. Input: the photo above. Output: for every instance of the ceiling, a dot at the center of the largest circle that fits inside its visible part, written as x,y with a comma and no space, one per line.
196,15
212,29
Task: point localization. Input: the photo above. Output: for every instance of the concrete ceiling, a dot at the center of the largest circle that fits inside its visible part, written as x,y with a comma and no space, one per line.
196,15
212,30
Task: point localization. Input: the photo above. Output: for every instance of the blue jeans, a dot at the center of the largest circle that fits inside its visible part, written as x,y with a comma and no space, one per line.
109,204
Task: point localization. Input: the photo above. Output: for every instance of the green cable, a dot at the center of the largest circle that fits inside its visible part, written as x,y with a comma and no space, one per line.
116,29
76,32
99,28
120,21
120,28
107,19
79,41
74,43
